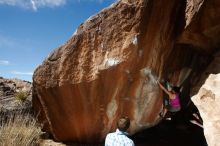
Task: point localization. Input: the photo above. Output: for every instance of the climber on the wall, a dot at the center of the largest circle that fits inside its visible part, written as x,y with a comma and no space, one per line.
173,104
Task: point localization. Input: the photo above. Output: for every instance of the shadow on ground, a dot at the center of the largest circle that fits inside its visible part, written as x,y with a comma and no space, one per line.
171,133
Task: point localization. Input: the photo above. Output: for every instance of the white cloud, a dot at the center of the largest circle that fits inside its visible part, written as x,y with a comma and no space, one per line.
22,73
4,62
33,4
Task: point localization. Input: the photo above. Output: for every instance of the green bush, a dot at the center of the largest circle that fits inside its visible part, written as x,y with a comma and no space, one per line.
21,96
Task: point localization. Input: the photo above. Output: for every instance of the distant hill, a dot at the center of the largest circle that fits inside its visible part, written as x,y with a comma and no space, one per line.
15,94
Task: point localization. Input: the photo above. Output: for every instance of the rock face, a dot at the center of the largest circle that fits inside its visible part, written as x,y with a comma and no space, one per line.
110,66
208,102
202,30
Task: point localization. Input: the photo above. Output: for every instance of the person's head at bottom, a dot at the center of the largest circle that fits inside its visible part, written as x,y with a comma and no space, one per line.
123,124
120,136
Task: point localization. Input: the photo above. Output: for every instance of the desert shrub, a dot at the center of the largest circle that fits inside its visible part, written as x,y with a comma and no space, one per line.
19,129
21,96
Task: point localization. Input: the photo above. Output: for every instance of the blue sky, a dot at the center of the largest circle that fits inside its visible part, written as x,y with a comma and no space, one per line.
31,29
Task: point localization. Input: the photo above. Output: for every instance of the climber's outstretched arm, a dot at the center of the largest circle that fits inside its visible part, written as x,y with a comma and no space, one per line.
165,90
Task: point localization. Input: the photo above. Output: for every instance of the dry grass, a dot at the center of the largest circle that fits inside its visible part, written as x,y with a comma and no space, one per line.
19,129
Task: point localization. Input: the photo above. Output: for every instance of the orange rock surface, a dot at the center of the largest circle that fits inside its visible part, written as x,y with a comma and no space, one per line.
110,66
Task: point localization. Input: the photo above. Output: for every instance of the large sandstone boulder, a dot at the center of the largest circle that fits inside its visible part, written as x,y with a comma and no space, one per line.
110,66
208,102
202,31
